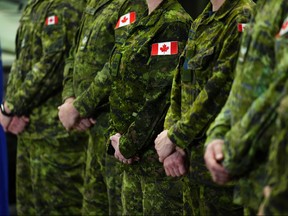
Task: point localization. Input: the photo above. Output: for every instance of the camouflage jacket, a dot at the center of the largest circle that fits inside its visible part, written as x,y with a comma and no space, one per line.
242,121
95,40
275,203
44,37
91,83
142,71
205,72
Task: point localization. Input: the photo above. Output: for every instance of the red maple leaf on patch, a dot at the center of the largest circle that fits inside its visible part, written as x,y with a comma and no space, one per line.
124,19
164,48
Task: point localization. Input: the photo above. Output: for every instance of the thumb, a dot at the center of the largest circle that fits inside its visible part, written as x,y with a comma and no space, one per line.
93,121
218,152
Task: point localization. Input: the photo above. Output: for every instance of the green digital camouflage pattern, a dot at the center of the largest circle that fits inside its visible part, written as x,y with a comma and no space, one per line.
96,37
200,88
93,98
261,121
44,37
276,202
241,122
50,184
138,102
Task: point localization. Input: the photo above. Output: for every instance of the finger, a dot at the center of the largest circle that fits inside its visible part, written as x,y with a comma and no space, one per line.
129,161
176,172
161,159
25,119
167,170
86,123
218,152
83,126
182,170
136,158
93,121
220,178
116,156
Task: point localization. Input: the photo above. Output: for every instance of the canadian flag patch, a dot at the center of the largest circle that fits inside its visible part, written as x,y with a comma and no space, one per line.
51,20
241,27
165,48
126,19
284,28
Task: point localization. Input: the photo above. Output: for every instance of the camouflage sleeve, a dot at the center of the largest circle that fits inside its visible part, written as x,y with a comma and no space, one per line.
45,77
276,203
242,141
68,90
213,96
141,132
252,134
220,126
174,111
97,92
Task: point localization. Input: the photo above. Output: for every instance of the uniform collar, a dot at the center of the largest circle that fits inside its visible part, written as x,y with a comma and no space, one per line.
152,18
227,6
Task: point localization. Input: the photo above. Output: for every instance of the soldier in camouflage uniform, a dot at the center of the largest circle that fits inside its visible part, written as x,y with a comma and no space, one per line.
200,88
97,35
274,101
50,162
237,136
140,76
142,71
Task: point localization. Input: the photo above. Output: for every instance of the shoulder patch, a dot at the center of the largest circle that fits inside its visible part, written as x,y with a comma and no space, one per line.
284,28
126,19
51,20
165,48
242,27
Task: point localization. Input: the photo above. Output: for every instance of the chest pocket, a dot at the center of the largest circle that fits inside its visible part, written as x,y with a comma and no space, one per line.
201,59
115,62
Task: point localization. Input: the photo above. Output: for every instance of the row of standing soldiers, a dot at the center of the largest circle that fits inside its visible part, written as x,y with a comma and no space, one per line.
128,107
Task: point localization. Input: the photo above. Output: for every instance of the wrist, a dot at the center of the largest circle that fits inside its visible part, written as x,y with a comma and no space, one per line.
5,111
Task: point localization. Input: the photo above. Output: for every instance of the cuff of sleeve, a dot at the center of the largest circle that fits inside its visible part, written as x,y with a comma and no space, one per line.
176,138
127,148
67,93
10,106
82,108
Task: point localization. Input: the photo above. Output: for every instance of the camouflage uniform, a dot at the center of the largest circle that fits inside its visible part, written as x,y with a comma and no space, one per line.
242,122
276,202
95,41
142,71
261,121
133,58
200,88
50,162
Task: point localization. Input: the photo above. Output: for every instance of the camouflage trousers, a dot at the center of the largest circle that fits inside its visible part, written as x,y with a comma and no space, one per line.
208,200
146,190
201,195
103,181
49,175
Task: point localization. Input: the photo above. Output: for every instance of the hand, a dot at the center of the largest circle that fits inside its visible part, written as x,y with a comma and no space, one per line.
5,120
68,115
18,124
164,145
84,124
115,143
213,157
266,192
175,164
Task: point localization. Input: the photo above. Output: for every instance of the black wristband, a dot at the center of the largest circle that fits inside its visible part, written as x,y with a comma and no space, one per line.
2,108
